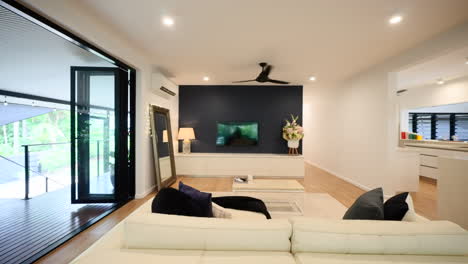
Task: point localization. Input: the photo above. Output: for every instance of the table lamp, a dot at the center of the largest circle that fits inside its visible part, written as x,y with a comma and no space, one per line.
186,134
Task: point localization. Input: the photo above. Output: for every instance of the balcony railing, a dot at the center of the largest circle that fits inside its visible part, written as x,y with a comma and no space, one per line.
27,169
53,168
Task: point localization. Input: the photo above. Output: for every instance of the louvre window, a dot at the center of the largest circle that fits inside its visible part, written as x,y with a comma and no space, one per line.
410,123
423,125
440,126
461,127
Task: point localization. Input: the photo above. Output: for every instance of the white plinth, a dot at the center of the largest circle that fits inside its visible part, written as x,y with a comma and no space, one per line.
227,164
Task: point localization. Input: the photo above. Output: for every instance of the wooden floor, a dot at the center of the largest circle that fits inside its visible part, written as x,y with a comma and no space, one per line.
315,181
425,200
28,227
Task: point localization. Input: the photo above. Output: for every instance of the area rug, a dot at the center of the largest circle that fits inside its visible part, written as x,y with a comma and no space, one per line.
288,205
264,185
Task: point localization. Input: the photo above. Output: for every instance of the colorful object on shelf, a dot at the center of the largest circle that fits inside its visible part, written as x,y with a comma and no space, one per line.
411,136
404,135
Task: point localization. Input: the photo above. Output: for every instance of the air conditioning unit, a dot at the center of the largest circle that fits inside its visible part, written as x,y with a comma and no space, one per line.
166,90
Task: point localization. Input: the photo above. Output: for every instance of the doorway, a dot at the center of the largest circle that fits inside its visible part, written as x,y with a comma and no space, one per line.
67,127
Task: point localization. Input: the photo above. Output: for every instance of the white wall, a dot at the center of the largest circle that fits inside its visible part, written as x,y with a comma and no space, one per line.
168,101
352,127
75,17
448,108
161,99
451,95
453,92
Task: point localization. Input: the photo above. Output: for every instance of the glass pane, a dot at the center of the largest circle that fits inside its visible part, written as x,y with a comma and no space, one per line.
443,126
101,134
410,123
461,127
424,125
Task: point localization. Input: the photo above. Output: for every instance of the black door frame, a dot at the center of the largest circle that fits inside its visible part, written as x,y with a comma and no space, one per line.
80,103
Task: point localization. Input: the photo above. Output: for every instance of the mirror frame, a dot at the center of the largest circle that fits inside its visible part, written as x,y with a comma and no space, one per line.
153,109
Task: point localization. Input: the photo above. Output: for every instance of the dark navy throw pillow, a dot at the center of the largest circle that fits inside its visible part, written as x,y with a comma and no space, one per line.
174,202
202,198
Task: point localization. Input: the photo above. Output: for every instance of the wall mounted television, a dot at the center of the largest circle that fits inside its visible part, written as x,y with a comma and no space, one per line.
237,134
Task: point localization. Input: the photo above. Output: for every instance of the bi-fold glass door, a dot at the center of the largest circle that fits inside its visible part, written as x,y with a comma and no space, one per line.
99,134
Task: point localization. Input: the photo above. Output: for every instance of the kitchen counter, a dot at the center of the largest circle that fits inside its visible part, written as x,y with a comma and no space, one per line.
430,151
433,144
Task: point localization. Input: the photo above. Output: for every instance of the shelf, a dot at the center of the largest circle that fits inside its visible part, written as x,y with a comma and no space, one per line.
240,155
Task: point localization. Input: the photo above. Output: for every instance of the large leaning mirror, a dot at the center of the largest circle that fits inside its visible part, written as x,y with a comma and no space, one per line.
163,150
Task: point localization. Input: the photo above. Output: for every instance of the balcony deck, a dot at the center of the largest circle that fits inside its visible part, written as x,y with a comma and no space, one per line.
30,228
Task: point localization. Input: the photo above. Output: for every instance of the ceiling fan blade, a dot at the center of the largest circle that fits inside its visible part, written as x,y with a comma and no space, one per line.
277,81
244,81
267,70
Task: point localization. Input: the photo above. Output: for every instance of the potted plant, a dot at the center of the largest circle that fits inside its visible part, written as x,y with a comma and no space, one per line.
293,133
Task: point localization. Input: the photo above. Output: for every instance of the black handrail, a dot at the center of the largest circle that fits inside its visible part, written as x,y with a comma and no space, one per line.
45,144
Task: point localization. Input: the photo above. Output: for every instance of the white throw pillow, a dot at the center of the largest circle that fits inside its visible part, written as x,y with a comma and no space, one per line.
410,215
220,212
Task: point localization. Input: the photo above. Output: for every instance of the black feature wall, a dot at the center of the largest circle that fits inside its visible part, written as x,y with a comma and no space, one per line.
201,107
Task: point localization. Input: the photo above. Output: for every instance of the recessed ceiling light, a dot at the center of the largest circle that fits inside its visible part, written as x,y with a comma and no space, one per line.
168,21
440,81
312,78
395,19
206,78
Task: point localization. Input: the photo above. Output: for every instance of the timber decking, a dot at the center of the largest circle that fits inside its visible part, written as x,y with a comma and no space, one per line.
30,227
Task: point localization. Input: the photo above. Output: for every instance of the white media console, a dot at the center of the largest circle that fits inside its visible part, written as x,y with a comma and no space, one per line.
234,164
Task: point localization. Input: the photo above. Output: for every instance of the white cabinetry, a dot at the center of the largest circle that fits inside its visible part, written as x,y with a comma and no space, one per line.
428,166
227,164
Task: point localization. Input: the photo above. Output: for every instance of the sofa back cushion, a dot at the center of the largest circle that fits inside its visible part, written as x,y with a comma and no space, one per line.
378,237
159,231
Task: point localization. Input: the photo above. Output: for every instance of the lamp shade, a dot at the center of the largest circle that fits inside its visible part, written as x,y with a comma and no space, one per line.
186,133
165,139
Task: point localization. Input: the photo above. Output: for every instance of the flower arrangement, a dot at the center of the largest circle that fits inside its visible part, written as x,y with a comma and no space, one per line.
292,130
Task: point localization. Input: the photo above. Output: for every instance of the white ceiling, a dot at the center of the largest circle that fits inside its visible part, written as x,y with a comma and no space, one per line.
332,39
448,67
36,61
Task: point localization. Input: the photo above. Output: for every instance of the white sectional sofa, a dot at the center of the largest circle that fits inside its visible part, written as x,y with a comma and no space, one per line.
155,238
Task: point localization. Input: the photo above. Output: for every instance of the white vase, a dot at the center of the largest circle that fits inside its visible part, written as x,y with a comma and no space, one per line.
293,144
